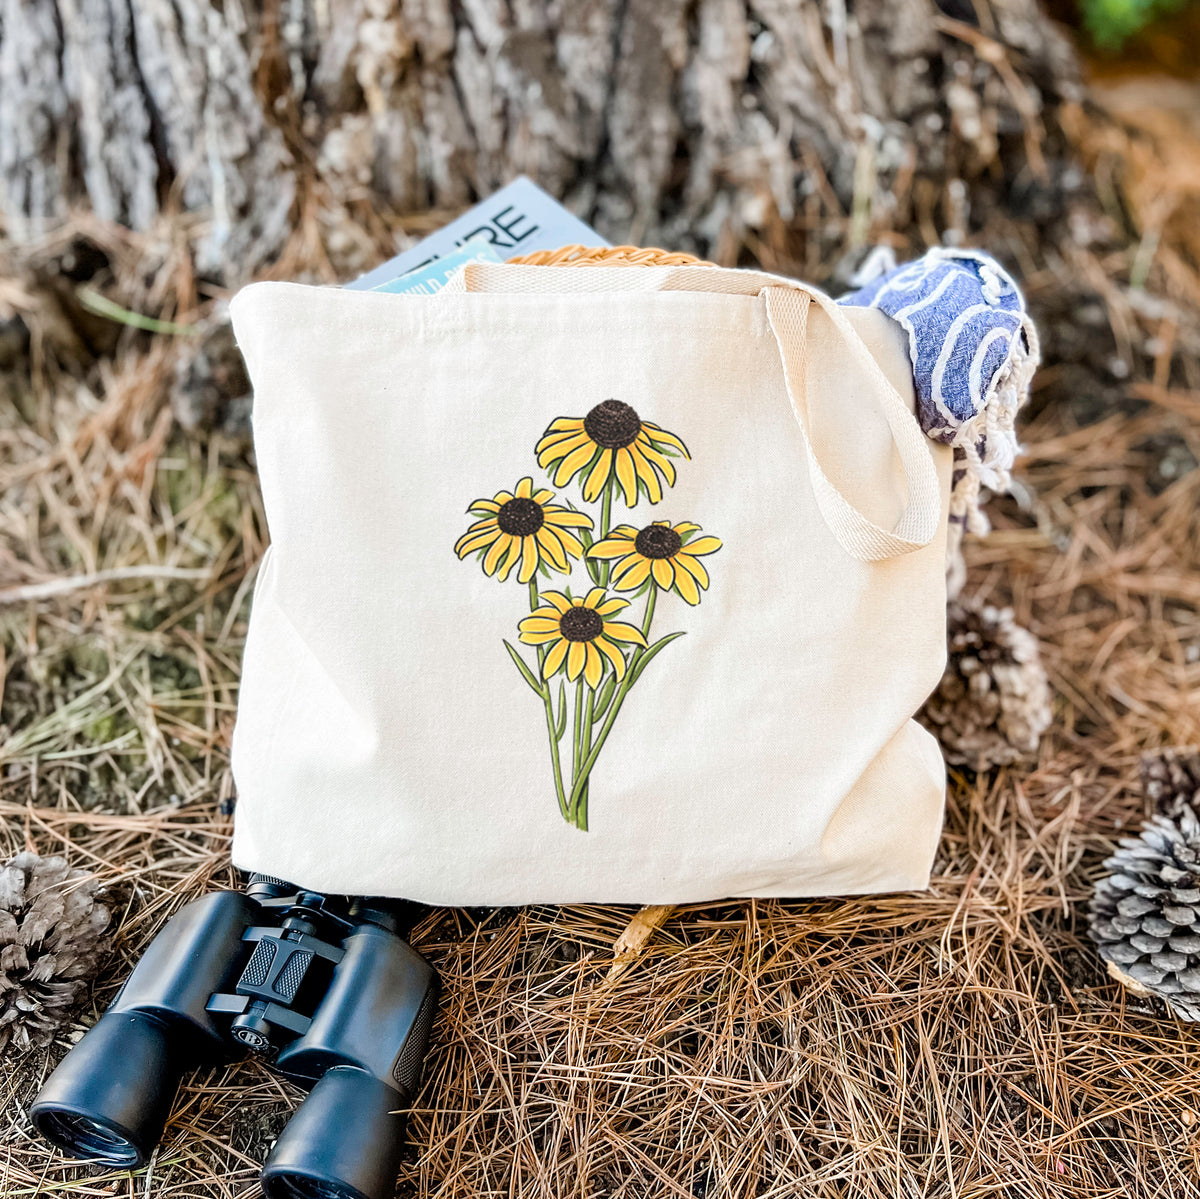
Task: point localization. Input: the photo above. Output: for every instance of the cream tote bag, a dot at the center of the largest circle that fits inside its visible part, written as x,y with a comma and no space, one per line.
604,584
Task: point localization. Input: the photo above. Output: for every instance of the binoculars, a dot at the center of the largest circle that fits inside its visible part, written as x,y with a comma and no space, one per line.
325,987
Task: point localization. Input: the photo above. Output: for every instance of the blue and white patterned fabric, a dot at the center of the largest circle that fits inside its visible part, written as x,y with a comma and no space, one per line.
974,350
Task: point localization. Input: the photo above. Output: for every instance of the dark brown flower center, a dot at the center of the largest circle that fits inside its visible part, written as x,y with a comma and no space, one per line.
658,541
581,624
521,518
612,425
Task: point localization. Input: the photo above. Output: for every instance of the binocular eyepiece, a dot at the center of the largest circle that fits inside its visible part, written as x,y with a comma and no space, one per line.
328,990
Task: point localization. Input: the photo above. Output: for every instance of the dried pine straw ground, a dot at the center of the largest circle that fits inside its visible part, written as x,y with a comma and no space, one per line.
963,1042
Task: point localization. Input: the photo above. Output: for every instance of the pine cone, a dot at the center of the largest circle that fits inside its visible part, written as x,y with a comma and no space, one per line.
1145,915
1171,781
993,702
51,940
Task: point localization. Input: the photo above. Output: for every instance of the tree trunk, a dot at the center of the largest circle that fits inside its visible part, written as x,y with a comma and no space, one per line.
133,107
795,131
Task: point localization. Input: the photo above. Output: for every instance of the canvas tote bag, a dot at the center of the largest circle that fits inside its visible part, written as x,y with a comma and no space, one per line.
616,585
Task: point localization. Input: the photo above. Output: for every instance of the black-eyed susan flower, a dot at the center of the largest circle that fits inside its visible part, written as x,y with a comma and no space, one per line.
523,526
669,554
612,441
579,635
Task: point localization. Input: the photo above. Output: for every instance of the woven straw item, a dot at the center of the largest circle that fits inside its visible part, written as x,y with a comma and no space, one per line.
607,256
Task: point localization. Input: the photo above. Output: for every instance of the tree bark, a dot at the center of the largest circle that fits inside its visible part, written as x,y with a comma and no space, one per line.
791,129
133,107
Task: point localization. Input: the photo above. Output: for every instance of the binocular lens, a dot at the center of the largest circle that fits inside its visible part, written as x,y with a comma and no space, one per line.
343,1143
84,1137
292,1186
110,1096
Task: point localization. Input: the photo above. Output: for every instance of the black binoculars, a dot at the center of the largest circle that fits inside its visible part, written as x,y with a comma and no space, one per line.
326,987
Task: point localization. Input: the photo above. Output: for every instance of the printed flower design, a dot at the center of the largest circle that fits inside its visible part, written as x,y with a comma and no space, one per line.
523,526
669,554
576,632
577,642
611,442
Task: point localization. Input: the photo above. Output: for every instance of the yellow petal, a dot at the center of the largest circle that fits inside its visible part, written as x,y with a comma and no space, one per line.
492,558
646,473
702,545
511,559
556,600
543,497
613,654
664,574
627,476
627,563
566,422
524,489
572,546
502,498
484,506
659,434
599,476
558,437
576,658
553,549
554,659
684,561
652,456
626,531
573,462
685,526
474,541
686,586
595,666
593,597
529,559
539,624
488,522
551,449
634,576
620,631
612,607
538,638
565,519
610,547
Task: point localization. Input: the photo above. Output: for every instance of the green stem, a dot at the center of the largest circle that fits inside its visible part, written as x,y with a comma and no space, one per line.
579,797
647,616
578,788
605,523
548,701
577,728
581,803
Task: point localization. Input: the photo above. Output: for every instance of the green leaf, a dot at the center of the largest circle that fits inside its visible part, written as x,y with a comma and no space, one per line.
1112,22
685,537
561,726
656,648
605,698
526,673
101,305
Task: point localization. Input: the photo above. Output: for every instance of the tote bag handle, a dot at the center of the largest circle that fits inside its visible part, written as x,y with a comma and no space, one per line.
787,304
